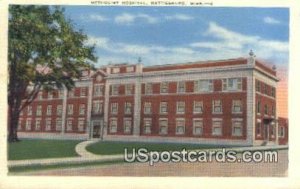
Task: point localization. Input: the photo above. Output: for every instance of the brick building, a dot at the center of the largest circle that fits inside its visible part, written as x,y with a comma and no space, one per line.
213,102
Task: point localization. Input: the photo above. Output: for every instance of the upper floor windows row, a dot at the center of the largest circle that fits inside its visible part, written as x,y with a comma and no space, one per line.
265,89
128,89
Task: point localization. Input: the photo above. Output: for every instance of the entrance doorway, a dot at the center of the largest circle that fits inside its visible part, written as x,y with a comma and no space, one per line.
97,128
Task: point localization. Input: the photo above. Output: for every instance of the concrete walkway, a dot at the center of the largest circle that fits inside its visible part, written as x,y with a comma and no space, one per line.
81,149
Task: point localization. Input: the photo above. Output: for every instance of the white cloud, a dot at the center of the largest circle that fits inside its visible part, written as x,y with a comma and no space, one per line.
127,18
270,20
94,17
182,17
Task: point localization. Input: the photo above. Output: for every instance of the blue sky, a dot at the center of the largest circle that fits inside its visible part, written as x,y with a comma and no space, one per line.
163,35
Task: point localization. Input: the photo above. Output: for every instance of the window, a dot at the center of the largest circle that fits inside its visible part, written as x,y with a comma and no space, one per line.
113,125
128,89
164,87
83,91
147,125
147,108
258,86
58,124
50,95
81,109
127,125
70,109
28,124
163,107
181,87
130,69
60,93
281,132
180,126
232,84
29,110
115,89
163,126
236,106
97,107
258,107
203,86
266,89
49,110
258,128
237,127
114,108
39,110
266,109
273,110
273,92
38,124
40,95
71,93
59,110
48,124
69,124
98,78
197,127
80,124
180,107
272,127
198,107
98,91
217,106
217,127
128,107
148,88
116,70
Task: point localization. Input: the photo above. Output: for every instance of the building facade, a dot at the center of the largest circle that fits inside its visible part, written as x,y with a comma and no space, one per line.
230,102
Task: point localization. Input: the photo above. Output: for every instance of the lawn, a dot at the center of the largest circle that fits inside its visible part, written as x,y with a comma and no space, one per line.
40,148
110,147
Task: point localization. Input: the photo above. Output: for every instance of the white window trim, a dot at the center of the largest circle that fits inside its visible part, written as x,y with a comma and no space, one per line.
111,108
58,127
145,108
177,107
194,107
125,108
177,120
213,107
194,120
163,119
48,127
144,130
35,125
197,88
113,91
151,88
70,110
124,125
232,129
184,86
232,89
48,113
283,134
39,109
129,92
28,127
82,109
70,128
160,108
110,125
101,90
217,120
167,87
80,120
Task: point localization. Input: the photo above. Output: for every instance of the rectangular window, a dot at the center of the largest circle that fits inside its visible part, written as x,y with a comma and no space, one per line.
28,124
203,86
97,107
83,91
50,95
69,124
148,88
198,107
217,127
164,87
147,125
113,125
181,87
197,127
40,95
217,106
39,110
29,110
128,108
232,84
114,108
272,127
60,93
180,107
273,92
59,110
266,87
82,109
58,124
71,93
38,124
128,89
98,90
48,124
147,108
130,69
258,86
163,126
163,107
70,109
237,127
266,109
80,124
127,125
236,106
115,89
49,110
281,132
258,108
180,126
115,70
258,129
273,110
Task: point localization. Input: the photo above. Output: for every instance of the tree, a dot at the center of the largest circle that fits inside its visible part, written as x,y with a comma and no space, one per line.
45,51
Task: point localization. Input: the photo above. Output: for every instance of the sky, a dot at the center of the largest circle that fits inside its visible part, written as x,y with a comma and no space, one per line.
167,35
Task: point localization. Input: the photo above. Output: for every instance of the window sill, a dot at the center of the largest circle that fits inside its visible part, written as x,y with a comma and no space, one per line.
217,112
237,112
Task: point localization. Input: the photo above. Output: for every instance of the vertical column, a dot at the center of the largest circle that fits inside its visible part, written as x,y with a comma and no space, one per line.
106,108
137,107
89,107
250,109
64,109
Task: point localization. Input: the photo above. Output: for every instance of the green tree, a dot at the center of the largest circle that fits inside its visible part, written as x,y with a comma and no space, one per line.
45,51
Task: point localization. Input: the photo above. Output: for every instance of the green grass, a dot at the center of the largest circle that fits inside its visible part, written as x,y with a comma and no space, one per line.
40,148
110,148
